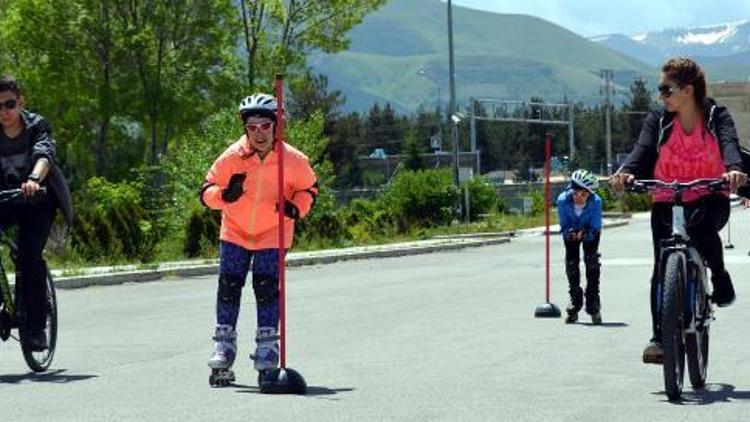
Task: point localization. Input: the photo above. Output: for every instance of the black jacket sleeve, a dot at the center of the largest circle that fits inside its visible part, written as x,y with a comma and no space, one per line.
42,144
642,159
729,143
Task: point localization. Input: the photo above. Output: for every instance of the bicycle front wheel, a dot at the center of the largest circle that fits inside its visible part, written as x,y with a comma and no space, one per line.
697,343
39,361
672,325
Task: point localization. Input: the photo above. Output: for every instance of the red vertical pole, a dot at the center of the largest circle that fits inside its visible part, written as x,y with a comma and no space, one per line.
282,264
547,154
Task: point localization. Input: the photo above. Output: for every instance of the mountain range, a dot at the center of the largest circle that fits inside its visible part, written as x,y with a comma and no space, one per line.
399,55
723,49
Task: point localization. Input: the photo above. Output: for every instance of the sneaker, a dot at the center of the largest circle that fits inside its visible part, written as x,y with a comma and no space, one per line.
37,340
723,294
596,318
653,353
571,318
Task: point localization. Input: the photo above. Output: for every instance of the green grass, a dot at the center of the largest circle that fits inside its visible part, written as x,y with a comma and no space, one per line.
494,223
170,249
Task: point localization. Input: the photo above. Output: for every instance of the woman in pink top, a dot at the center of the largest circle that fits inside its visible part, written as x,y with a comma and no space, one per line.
691,138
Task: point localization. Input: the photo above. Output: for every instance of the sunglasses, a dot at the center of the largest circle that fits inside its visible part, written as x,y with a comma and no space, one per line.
255,127
9,104
666,90
580,192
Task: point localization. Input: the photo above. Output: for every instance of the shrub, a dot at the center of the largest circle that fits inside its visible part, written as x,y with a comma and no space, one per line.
110,222
609,201
634,202
202,228
483,197
424,198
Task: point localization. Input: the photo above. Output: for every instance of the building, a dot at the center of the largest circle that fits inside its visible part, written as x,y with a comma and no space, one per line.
736,97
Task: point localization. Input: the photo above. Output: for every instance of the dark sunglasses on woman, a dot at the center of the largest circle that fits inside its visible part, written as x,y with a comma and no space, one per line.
9,104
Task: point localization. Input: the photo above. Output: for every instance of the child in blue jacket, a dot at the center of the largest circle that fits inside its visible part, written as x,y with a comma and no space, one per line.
580,214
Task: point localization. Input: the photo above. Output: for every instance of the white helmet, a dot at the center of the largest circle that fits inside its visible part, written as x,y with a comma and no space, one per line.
584,179
263,105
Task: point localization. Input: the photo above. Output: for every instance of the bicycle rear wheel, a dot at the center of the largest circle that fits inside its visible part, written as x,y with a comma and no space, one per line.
39,361
672,326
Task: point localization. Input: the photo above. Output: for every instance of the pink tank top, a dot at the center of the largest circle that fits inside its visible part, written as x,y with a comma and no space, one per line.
685,157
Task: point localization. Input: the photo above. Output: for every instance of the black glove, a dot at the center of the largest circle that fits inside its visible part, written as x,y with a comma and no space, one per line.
290,210
572,235
234,190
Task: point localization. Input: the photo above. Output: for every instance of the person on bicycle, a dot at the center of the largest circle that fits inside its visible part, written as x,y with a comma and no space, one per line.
27,161
243,184
692,137
579,211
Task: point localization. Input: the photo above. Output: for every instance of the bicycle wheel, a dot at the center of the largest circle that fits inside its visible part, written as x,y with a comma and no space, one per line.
40,361
672,326
697,344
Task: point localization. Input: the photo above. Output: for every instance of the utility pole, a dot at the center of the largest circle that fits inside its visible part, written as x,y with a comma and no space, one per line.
571,131
452,106
607,75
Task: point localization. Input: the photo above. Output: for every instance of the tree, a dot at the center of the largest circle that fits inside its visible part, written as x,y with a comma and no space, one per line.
309,94
279,33
413,151
640,102
182,51
640,97
110,69
344,148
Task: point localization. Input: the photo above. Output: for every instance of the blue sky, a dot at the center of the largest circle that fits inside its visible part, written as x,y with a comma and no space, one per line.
598,17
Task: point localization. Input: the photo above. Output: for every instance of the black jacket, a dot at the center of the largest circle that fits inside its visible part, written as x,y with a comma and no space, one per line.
657,127
43,146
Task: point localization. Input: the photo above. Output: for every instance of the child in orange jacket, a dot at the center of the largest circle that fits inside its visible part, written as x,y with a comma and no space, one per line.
243,184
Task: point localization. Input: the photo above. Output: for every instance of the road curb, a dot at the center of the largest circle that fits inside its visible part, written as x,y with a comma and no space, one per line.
294,260
556,228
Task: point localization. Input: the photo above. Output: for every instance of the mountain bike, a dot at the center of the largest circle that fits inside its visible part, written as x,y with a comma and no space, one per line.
683,294
12,312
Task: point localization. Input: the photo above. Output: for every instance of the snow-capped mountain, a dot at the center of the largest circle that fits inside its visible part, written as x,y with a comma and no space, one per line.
715,41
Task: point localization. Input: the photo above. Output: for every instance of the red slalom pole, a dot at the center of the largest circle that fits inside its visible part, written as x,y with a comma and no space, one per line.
281,380
547,154
547,309
282,256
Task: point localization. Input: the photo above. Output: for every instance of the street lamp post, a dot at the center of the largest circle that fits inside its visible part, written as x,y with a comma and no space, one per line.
423,72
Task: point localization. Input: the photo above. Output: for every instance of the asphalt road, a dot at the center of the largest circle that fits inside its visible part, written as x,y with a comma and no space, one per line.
447,336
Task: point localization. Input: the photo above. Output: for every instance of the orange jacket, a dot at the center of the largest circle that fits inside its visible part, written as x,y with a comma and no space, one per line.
252,221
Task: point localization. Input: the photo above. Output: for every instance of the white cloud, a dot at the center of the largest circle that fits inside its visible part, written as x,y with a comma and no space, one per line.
596,17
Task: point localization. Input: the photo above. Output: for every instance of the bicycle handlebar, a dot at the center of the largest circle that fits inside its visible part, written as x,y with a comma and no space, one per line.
12,194
648,185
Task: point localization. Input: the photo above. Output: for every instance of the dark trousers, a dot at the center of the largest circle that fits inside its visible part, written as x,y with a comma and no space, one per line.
572,269
705,218
34,221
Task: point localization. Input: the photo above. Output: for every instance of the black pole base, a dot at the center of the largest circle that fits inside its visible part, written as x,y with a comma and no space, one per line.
282,381
729,246
547,310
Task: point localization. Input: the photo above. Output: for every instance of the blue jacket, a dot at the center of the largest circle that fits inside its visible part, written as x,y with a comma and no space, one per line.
590,220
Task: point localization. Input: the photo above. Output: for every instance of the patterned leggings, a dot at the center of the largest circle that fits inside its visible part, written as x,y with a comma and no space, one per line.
235,263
